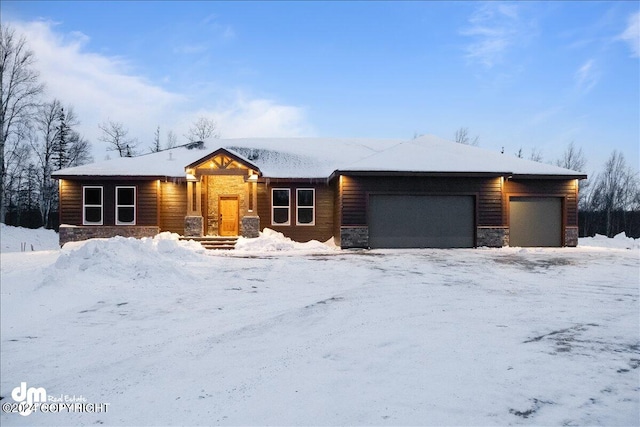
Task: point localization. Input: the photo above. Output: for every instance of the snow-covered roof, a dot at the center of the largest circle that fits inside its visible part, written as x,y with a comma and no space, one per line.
321,157
437,155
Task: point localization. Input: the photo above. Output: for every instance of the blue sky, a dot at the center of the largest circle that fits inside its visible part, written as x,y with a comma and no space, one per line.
531,75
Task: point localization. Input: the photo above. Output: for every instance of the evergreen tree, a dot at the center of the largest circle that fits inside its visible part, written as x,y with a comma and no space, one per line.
61,142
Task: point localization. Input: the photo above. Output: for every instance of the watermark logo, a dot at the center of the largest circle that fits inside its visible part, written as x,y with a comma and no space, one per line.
29,397
27,400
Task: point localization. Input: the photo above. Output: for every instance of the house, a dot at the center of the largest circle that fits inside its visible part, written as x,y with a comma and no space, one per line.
424,192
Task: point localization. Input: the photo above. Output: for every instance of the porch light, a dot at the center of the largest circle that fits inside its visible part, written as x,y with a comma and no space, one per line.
253,178
191,177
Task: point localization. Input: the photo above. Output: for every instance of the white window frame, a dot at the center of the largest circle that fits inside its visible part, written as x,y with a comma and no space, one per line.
312,207
288,190
85,205
118,222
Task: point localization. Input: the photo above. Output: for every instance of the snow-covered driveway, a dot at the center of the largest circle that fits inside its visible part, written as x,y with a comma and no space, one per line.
170,335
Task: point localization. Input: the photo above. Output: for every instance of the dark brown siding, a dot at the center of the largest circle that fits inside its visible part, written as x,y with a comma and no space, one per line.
356,190
71,201
173,206
324,212
568,189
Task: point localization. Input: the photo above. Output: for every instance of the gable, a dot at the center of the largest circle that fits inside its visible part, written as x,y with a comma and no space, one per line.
222,161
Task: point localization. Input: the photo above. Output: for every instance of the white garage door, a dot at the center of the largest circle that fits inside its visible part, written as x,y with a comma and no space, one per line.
414,221
535,221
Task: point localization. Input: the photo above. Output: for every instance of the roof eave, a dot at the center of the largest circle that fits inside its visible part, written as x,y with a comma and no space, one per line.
458,174
115,177
547,176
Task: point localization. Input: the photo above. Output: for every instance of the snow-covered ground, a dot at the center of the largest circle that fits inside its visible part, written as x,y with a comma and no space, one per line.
278,333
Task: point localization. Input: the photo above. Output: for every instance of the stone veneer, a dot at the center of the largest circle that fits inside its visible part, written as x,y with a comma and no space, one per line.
73,233
571,236
492,237
193,226
250,226
354,237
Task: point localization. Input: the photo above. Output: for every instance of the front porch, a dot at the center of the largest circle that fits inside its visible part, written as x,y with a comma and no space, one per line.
222,197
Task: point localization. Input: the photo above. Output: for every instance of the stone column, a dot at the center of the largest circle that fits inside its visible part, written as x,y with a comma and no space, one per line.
571,236
354,237
250,226
193,225
492,237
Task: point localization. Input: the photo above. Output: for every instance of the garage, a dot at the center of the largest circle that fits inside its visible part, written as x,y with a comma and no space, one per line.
535,221
418,221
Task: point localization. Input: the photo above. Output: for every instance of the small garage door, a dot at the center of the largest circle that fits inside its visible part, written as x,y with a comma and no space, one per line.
410,221
535,221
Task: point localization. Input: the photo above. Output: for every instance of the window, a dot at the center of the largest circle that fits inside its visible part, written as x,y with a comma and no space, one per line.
306,200
280,198
125,205
91,205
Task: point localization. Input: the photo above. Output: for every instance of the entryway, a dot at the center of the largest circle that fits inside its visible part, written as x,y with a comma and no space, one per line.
228,215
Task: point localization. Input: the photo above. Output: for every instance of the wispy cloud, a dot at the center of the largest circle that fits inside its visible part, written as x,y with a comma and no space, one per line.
495,28
587,76
631,34
101,88
246,117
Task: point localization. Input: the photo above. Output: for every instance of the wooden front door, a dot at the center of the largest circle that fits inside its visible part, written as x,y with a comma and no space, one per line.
228,212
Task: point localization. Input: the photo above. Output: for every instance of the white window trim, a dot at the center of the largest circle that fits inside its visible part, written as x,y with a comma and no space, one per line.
84,205
118,222
288,190
312,207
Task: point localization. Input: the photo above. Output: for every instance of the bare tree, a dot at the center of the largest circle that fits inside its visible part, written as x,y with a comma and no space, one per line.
42,144
79,151
115,134
536,155
573,159
462,137
172,140
203,128
21,88
616,188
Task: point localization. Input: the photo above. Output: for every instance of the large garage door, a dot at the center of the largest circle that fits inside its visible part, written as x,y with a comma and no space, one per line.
535,221
408,221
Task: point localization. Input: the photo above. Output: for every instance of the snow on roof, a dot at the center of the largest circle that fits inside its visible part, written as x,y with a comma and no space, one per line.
320,157
433,154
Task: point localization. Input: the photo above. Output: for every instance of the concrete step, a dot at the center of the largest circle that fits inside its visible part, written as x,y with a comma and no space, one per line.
214,242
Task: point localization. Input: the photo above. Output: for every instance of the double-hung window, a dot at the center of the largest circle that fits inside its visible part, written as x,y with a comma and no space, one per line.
305,210
125,205
92,203
280,206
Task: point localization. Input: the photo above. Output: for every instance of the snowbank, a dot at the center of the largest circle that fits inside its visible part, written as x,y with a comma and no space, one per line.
161,257
620,241
273,241
13,238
